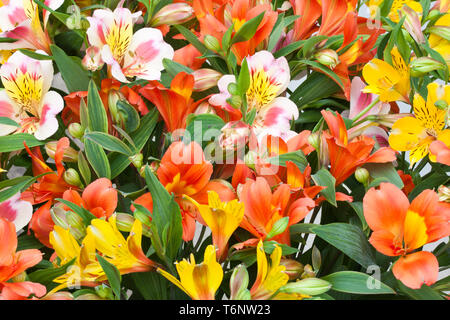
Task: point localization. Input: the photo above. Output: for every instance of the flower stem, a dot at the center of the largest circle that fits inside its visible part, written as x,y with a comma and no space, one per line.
366,109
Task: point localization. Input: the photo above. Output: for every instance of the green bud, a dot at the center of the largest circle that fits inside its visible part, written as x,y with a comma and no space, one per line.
362,175
105,292
235,101
142,217
136,160
314,140
433,14
233,89
124,221
309,286
308,272
239,283
293,268
441,104
76,130
58,215
211,43
424,65
327,57
72,177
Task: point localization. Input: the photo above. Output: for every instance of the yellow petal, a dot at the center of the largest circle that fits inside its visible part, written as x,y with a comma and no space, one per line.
406,134
65,245
415,231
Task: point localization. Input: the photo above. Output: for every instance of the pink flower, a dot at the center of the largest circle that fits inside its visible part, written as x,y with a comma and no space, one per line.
17,211
26,98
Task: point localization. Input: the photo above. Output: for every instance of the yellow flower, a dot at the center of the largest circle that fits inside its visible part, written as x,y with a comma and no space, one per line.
398,5
223,218
85,270
438,43
415,134
126,255
199,281
269,278
391,83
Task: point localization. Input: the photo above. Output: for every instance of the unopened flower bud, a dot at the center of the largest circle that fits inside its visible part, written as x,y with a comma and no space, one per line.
278,227
70,154
444,193
211,43
308,272
314,140
205,79
124,221
142,217
136,160
171,14
387,120
233,89
433,14
76,223
93,59
105,292
424,65
89,296
412,24
72,177
58,215
234,135
21,277
293,268
309,286
239,284
76,130
113,97
441,31
362,175
441,104
204,108
328,57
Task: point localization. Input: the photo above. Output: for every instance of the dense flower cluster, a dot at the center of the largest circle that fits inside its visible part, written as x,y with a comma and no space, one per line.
298,145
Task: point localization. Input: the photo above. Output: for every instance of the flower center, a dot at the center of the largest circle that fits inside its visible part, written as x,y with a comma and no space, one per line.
262,90
119,38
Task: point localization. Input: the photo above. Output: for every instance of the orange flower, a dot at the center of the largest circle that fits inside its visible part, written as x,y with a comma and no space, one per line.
346,156
42,223
407,182
263,208
99,198
309,12
185,171
399,228
174,104
13,263
441,151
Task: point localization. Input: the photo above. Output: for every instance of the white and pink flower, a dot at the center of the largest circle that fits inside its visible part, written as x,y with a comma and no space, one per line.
269,78
127,54
19,19
16,211
26,98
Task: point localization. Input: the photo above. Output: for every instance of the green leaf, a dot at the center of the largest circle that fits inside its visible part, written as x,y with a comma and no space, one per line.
120,162
109,142
166,216
198,126
113,275
173,68
191,38
349,239
83,167
8,40
384,170
269,246
289,49
357,282
424,293
325,179
25,241
276,32
34,55
24,184
73,74
59,15
227,38
82,212
98,159
128,115
297,157
302,228
243,81
151,285
248,29
16,141
309,46
9,122
46,276
323,69
316,86
358,207
98,120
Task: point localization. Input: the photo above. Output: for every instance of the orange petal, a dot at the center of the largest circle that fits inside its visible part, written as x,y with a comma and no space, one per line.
417,268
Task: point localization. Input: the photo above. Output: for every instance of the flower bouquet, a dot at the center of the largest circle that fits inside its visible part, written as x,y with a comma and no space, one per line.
224,149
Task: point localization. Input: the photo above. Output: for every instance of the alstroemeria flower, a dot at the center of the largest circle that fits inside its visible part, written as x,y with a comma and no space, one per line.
16,211
127,54
99,198
390,82
126,255
439,150
269,78
399,4
269,278
399,228
174,104
198,281
223,218
346,156
264,207
13,263
184,170
19,19
415,134
26,98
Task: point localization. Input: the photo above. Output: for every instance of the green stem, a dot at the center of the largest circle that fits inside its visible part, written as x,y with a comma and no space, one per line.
366,109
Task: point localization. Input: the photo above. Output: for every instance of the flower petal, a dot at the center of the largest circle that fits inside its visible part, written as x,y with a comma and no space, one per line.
416,269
